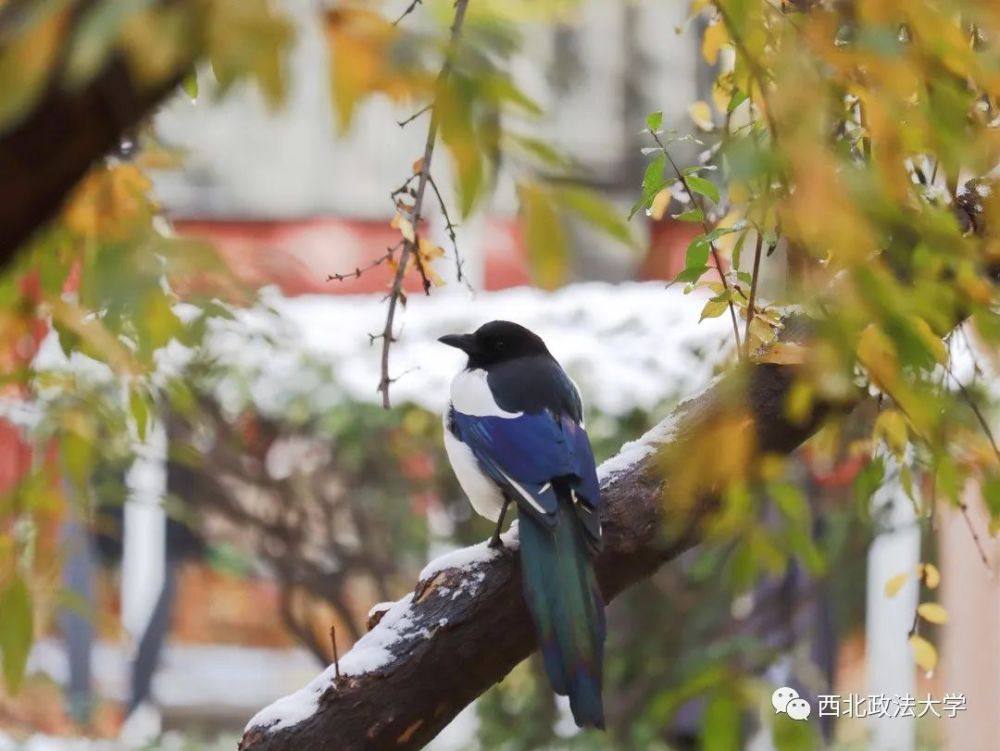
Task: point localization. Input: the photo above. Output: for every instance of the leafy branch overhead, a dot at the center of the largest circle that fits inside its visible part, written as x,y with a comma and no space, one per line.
471,99
844,162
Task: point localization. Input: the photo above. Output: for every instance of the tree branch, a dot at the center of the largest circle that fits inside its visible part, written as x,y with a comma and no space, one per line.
45,154
411,246
466,626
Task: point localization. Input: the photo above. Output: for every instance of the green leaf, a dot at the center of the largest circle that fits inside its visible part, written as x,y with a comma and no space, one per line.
691,215
697,252
17,630
738,249
591,207
714,308
190,85
722,724
77,456
655,175
736,100
703,187
140,412
540,150
548,250
653,121
691,274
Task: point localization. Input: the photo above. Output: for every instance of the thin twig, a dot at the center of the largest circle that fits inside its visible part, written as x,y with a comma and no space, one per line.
964,508
751,311
450,229
410,247
336,656
692,196
980,418
414,116
360,270
753,65
409,9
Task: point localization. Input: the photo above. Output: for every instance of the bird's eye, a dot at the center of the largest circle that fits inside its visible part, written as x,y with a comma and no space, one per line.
499,344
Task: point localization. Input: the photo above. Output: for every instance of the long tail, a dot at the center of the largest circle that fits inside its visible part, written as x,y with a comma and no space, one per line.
566,605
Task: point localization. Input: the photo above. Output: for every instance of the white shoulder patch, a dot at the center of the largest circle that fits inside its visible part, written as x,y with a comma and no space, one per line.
470,395
579,396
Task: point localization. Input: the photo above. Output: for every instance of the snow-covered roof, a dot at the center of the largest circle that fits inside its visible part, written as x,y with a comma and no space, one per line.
628,346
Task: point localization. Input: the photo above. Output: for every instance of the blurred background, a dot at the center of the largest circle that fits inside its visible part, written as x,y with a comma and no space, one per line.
211,529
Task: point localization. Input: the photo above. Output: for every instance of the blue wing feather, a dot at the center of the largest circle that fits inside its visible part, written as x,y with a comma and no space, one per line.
532,450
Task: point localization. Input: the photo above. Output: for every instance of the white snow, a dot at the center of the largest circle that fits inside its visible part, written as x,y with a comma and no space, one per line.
371,652
635,451
471,556
628,346
462,558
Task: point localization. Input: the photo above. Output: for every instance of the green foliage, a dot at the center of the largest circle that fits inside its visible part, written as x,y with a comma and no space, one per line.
16,630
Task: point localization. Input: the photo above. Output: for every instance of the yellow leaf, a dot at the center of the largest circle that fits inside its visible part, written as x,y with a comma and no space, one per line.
800,401
701,115
432,276
932,340
362,46
924,653
738,192
877,354
660,203
891,427
783,353
930,574
714,38
895,584
405,227
544,236
418,166
932,612
30,51
428,250
93,333
110,203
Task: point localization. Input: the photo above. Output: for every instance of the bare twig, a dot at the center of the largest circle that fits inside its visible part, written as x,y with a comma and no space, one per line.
414,116
753,65
449,227
964,508
361,270
980,418
336,655
753,293
410,247
693,197
409,9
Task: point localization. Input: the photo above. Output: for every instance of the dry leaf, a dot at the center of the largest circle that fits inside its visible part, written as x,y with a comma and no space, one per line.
930,574
932,612
924,653
701,115
895,584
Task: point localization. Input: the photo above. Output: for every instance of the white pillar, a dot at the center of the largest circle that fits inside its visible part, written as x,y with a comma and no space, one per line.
144,548
890,666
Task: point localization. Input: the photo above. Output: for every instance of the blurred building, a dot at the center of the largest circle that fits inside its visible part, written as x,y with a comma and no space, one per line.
290,200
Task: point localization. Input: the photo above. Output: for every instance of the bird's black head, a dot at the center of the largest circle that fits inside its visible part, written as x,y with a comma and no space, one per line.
496,342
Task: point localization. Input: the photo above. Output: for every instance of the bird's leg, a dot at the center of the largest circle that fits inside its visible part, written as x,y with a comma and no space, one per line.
495,541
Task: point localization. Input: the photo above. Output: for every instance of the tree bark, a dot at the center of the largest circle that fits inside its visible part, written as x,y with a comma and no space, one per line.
45,153
466,625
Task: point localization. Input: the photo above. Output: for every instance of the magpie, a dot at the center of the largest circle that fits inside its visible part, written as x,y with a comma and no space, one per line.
514,433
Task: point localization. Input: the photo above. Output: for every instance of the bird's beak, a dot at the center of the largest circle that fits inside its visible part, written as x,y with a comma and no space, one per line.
464,342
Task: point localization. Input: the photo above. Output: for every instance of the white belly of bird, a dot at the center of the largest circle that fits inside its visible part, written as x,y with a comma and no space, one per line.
483,493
